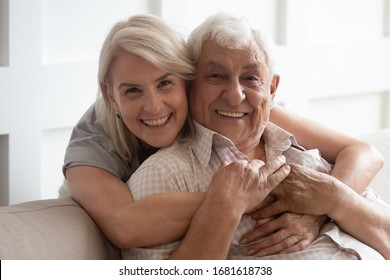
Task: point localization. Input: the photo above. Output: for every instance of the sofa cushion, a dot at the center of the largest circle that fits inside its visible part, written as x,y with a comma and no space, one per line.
51,229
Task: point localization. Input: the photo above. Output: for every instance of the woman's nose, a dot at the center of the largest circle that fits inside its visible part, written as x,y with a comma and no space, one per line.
153,103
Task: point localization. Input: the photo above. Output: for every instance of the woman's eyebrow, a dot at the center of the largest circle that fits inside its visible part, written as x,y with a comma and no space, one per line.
126,84
162,77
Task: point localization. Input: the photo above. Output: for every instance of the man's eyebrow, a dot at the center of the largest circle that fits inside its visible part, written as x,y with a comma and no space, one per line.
253,65
214,64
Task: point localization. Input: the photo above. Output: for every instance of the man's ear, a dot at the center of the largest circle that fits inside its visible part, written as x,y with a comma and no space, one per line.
274,85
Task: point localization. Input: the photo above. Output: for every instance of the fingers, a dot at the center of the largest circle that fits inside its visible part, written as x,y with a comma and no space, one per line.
276,178
274,172
272,167
270,210
258,232
274,245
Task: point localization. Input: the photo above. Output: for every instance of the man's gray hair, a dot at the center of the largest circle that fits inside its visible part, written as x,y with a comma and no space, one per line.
231,32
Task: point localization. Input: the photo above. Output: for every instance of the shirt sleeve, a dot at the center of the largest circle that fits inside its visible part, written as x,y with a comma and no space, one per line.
149,180
90,146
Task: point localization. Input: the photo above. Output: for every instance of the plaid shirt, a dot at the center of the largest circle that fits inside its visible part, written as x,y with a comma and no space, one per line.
189,166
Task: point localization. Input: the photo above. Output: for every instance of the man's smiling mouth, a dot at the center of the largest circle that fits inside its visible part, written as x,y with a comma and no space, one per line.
230,114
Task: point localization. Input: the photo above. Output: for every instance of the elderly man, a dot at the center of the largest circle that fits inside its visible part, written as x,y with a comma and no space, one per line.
230,100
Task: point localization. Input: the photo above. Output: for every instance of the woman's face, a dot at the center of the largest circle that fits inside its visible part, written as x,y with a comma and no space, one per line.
152,102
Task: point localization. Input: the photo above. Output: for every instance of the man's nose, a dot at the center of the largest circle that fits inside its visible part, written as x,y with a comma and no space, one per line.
234,93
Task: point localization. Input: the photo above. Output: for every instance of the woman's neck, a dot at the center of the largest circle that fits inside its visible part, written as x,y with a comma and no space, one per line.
145,151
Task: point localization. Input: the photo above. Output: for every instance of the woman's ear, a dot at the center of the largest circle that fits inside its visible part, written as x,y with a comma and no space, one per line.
274,85
110,96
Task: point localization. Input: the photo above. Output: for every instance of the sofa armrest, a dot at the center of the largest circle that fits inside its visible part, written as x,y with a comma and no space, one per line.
51,229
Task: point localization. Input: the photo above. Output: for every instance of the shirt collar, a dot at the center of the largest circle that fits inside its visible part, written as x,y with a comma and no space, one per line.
204,141
275,138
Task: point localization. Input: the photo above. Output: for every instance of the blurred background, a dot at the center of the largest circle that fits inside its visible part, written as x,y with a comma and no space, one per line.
333,57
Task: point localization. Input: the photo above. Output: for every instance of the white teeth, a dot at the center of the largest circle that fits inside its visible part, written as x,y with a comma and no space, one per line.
158,122
231,114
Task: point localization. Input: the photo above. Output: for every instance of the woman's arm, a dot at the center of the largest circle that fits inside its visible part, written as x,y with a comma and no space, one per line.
372,226
127,223
164,218
356,162
307,191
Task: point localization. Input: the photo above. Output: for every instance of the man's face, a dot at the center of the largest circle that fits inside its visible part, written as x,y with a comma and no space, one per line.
231,92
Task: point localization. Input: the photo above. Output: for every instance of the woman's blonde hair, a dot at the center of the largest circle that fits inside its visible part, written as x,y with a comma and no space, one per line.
150,38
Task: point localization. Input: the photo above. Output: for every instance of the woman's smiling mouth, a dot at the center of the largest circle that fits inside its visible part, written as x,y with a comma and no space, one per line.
157,122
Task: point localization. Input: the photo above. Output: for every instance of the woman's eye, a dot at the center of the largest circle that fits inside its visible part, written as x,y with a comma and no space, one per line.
165,83
133,90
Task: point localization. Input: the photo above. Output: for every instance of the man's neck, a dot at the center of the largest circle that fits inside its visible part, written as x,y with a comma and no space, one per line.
257,152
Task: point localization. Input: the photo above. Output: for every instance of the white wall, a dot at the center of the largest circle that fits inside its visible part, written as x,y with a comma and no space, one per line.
334,59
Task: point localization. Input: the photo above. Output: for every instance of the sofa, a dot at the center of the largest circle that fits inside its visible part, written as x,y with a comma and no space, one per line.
60,229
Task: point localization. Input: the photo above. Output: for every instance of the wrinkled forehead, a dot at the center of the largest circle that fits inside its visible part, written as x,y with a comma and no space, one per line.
214,55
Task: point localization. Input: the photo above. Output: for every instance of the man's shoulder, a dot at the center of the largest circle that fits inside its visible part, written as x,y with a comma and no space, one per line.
177,154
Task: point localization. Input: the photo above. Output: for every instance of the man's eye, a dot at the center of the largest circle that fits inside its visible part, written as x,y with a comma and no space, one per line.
215,76
252,79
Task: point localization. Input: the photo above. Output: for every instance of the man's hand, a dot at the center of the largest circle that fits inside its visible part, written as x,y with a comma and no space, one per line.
304,191
235,189
286,233
286,223
245,185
